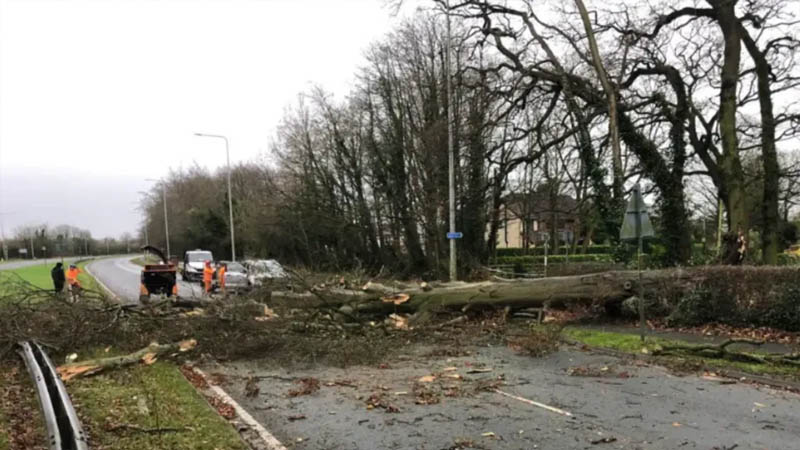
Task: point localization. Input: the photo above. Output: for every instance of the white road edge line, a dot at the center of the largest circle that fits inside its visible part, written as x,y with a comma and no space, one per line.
271,442
102,285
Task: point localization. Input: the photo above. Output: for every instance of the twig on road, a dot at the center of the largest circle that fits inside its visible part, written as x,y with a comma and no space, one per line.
534,403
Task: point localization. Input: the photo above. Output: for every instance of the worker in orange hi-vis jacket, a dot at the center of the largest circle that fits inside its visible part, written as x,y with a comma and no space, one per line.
221,276
72,281
208,275
72,275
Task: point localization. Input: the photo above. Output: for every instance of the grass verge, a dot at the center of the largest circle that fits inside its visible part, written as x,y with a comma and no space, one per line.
21,423
39,276
149,407
630,343
144,260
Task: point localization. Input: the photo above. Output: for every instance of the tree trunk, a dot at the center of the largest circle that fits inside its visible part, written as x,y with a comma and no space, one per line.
769,207
601,288
611,96
730,163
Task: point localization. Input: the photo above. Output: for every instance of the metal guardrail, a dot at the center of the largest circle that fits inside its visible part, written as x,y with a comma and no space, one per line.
64,431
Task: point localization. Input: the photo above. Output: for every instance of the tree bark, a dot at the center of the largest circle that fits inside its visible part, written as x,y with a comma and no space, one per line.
600,288
769,207
611,96
730,162
146,355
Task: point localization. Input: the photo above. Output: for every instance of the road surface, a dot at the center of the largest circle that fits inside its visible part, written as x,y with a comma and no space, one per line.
626,406
32,262
122,277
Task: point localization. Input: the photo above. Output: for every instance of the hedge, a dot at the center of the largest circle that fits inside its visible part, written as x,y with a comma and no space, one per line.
553,259
539,251
766,296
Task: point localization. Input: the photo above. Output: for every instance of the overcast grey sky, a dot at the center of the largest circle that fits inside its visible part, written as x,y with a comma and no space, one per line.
97,95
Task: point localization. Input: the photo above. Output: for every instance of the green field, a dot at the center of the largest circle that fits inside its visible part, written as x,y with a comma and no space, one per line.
144,260
39,276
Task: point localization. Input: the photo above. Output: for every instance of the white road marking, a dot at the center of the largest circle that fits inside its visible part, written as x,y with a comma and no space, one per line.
269,440
126,266
102,285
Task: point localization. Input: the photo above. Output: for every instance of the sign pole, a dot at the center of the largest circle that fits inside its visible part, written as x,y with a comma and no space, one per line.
546,245
638,206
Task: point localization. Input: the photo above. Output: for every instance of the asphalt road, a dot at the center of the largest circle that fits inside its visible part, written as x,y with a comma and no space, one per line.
122,277
33,262
630,406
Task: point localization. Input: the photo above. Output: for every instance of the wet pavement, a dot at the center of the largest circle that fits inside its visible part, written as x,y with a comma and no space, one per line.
631,406
122,277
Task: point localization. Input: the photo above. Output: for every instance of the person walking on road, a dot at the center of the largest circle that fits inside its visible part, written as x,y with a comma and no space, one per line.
57,274
208,275
72,280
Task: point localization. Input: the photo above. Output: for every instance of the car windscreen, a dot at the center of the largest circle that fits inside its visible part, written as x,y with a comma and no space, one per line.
235,267
199,256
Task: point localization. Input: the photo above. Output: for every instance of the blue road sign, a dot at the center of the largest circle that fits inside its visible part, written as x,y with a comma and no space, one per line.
456,235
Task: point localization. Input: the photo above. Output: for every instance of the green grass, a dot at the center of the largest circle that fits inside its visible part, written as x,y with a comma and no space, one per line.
39,276
156,396
144,260
631,343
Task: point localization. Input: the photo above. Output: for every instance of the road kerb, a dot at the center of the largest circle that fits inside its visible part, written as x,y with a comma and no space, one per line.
266,437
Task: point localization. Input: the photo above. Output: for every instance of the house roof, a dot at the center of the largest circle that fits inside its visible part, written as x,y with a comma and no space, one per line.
539,203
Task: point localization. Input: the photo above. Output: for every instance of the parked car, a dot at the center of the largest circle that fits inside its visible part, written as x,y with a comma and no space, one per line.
236,276
261,271
193,262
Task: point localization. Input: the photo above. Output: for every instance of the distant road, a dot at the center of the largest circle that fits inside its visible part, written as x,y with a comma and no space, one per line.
35,262
122,277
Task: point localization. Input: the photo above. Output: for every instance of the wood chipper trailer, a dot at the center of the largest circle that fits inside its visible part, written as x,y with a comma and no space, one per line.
158,278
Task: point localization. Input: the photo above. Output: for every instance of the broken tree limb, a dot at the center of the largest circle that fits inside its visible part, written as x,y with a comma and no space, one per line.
146,355
721,352
534,403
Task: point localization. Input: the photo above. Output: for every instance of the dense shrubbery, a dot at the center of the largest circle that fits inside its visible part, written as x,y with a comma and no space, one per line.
743,296
788,259
538,251
553,259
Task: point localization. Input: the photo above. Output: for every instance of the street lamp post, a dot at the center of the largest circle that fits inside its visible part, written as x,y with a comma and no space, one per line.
166,220
450,153
230,200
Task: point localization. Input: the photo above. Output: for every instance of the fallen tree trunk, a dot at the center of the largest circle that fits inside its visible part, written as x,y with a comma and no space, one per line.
521,293
147,355
721,352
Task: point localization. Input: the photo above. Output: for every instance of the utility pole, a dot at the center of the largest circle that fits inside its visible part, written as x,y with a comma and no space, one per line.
451,153
230,200
166,220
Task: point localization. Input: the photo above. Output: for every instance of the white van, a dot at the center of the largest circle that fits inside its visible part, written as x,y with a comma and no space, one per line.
193,262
